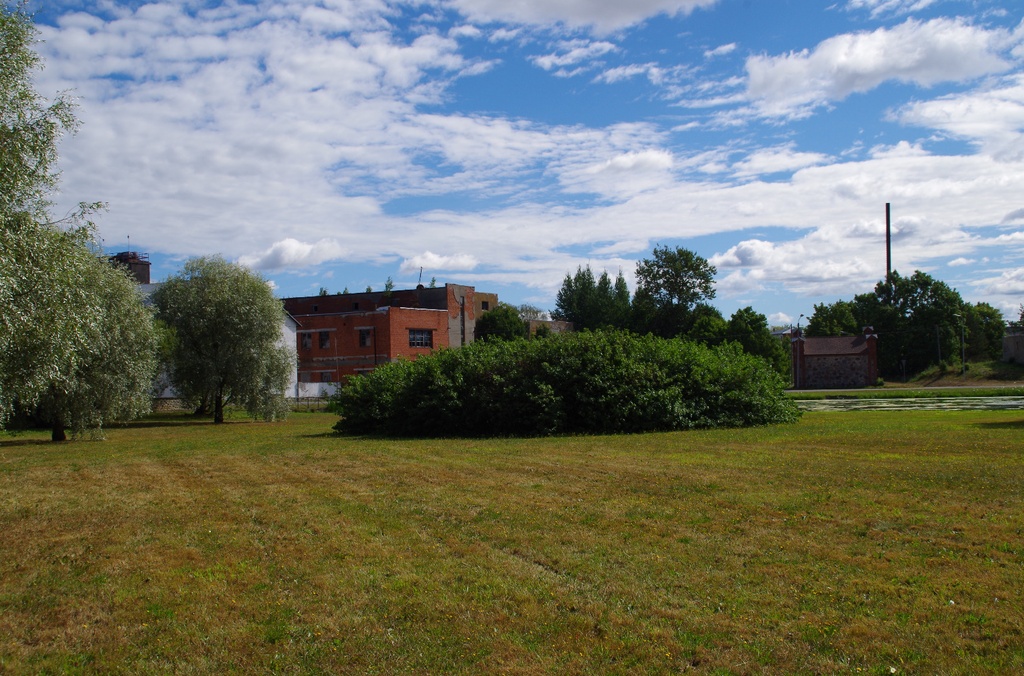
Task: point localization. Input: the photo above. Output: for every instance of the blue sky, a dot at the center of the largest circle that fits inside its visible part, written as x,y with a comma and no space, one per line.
502,144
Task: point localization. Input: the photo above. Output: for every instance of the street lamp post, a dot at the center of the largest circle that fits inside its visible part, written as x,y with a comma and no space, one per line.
963,346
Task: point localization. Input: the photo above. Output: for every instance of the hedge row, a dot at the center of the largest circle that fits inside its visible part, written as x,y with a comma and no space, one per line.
578,383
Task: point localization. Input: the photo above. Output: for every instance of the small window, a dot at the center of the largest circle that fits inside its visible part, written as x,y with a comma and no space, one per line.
421,338
315,308
365,338
305,377
307,341
325,376
325,340
355,306
486,305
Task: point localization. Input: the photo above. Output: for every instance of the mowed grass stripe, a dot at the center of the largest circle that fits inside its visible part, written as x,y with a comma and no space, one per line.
870,541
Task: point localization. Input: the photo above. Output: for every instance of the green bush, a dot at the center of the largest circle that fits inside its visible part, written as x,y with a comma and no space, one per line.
577,383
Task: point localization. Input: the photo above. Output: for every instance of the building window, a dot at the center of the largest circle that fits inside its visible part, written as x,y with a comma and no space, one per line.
315,308
305,377
365,339
421,338
307,341
325,340
355,306
485,305
325,376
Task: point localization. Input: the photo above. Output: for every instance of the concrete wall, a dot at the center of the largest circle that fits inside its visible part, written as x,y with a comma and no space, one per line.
1013,348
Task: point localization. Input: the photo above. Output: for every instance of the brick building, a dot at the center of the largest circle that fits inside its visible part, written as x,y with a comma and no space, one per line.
346,334
835,362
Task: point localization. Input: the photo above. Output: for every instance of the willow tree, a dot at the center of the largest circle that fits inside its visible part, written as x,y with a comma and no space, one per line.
227,338
75,340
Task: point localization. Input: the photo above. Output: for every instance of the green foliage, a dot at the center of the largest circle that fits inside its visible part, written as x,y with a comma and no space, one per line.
750,330
593,304
915,319
834,319
529,312
501,323
75,340
576,383
227,325
670,285
30,127
985,329
115,365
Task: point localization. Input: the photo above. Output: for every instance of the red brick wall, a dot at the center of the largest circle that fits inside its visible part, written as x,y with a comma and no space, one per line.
343,356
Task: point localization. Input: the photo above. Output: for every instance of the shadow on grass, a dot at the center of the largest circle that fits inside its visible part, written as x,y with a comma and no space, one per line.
29,442
1007,425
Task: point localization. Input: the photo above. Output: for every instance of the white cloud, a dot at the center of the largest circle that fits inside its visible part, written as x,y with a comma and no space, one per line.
721,50
602,15
292,254
961,261
993,117
774,160
1015,215
431,261
1009,282
654,73
624,175
571,53
879,7
940,50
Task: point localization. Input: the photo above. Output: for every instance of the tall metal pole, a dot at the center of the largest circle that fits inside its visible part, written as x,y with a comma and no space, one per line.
888,245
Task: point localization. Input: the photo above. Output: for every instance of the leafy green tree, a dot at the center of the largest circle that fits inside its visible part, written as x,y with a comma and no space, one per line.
530,312
985,329
112,378
30,127
709,327
592,304
576,299
670,285
227,326
833,319
750,329
75,342
915,320
501,323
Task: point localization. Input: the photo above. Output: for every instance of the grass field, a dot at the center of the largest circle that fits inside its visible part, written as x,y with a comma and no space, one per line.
847,543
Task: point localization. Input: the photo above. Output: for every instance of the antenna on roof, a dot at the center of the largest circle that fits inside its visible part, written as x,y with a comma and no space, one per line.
421,275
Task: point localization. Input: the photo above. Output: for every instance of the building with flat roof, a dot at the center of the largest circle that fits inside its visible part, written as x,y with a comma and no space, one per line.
346,334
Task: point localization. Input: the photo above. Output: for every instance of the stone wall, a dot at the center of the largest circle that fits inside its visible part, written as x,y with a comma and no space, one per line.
835,372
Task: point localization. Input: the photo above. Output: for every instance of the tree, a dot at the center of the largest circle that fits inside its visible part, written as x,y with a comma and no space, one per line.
29,127
750,329
75,343
592,304
501,323
530,312
834,319
985,329
576,299
709,327
227,327
915,320
115,366
669,286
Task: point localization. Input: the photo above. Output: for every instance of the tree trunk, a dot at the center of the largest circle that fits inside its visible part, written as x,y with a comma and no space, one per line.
218,411
57,432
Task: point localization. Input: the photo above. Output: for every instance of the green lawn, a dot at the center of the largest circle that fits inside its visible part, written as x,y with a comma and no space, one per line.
849,542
